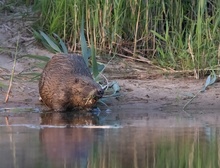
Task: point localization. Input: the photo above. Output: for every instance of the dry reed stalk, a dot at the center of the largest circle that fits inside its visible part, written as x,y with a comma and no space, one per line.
136,31
12,72
196,75
218,54
7,121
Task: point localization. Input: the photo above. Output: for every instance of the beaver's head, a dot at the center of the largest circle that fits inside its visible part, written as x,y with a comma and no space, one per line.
86,92
94,96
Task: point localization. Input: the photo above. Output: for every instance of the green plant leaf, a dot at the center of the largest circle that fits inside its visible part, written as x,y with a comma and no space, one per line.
50,42
37,35
37,57
2,85
95,71
100,67
85,51
209,81
62,44
40,65
158,35
115,87
30,74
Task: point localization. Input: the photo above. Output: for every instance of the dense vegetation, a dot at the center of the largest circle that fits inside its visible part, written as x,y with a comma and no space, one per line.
177,34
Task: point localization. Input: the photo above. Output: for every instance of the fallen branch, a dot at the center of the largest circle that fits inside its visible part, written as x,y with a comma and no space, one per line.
140,60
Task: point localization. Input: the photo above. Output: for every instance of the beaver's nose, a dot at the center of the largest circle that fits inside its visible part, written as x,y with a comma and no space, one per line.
99,93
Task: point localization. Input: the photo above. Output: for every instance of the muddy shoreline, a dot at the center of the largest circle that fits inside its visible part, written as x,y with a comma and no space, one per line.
142,85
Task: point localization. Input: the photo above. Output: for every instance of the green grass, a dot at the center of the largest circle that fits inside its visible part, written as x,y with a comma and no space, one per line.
175,34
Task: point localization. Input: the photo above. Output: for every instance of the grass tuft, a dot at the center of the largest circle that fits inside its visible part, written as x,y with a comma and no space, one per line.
148,29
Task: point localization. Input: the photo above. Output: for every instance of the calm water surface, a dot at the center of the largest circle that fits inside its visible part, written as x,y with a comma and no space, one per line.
125,140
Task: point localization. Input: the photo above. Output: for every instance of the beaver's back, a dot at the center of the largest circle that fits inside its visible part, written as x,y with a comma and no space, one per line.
63,65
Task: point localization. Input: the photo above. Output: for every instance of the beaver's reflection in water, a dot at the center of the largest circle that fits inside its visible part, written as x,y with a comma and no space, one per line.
69,118
68,146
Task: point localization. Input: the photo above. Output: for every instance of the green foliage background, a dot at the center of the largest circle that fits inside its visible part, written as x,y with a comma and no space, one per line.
177,34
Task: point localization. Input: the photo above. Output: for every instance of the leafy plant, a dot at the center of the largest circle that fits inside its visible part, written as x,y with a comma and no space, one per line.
60,47
41,64
211,79
50,43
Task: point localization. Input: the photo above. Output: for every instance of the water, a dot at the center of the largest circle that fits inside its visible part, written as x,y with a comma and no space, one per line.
123,140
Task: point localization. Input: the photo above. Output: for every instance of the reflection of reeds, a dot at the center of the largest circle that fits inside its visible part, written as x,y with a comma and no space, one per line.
181,147
191,154
11,142
119,148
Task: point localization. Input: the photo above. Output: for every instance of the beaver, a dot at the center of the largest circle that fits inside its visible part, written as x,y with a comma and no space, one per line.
66,83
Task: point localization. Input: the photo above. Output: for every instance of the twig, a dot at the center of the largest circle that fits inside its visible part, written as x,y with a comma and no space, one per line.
7,121
191,100
105,66
100,101
12,72
142,60
107,83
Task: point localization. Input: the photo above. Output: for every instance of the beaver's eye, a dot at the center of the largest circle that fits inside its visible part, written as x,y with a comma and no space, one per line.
100,92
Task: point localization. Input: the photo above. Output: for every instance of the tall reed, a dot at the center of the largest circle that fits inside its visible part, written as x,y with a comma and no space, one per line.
177,34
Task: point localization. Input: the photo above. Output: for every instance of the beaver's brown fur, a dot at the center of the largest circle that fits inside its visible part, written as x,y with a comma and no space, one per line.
66,82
